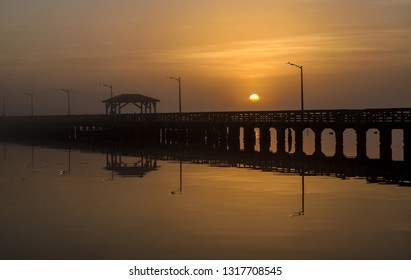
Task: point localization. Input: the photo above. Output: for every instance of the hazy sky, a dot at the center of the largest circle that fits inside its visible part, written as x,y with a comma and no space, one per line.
356,54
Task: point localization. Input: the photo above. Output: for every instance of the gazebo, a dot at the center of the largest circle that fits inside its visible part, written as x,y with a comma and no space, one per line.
144,103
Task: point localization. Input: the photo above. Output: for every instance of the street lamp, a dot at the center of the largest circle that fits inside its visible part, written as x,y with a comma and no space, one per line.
302,86
68,99
4,106
31,98
301,213
110,87
179,91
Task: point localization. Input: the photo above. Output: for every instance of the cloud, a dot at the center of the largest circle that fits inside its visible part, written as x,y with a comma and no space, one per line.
262,58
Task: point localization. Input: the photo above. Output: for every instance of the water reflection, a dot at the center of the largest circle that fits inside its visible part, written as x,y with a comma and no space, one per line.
236,205
68,169
138,166
30,164
302,209
180,191
137,160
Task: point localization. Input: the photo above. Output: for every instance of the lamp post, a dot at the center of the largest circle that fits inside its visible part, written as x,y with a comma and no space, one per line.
301,213
179,91
302,86
110,87
4,106
31,99
68,99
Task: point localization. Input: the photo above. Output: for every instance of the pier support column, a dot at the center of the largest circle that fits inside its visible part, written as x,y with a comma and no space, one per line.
234,138
317,142
361,143
249,138
164,135
265,139
339,143
174,135
385,144
299,151
211,137
407,144
182,135
170,135
222,137
196,135
281,141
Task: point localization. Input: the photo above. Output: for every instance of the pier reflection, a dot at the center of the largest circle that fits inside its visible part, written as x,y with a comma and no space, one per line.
67,170
137,160
180,190
372,170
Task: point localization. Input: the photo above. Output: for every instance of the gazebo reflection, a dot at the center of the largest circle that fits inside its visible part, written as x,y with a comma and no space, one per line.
139,167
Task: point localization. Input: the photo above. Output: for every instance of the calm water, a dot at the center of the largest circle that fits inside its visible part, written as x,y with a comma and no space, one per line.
71,204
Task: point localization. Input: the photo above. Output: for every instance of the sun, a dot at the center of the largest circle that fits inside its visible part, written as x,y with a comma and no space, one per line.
254,97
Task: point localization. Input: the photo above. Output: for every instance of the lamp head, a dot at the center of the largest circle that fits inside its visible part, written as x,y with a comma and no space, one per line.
106,85
175,78
292,64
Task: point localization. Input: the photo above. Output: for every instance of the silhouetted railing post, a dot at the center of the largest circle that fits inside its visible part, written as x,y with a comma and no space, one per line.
385,143
361,142
339,142
299,141
249,138
281,140
317,141
234,138
222,137
407,144
265,138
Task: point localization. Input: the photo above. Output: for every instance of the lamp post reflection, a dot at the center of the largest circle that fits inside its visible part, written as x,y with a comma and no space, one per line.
31,164
181,177
68,170
181,180
301,212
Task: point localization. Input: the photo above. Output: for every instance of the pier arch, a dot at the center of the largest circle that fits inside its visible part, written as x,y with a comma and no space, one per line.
308,141
328,142
373,143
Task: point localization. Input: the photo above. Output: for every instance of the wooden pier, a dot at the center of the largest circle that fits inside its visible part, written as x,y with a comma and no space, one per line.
225,130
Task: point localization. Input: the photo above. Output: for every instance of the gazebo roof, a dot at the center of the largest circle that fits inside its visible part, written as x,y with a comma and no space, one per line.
130,98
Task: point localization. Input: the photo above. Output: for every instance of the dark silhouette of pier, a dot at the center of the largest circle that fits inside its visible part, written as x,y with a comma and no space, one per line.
137,159
222,129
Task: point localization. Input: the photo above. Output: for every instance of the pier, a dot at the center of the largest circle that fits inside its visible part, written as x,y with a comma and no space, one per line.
226,130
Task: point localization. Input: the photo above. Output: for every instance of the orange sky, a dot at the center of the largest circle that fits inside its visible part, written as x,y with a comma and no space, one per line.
355,54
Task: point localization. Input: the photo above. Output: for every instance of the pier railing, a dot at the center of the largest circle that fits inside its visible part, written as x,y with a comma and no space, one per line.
365,116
